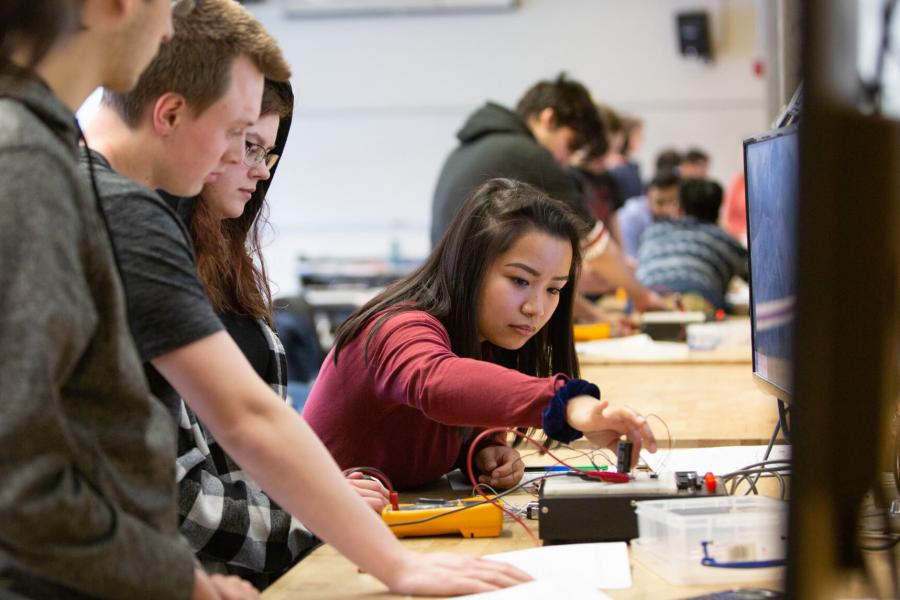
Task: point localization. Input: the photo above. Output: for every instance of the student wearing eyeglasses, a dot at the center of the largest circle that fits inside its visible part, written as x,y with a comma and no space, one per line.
225,223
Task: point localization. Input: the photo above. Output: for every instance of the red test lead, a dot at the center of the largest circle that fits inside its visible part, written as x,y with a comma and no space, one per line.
609,477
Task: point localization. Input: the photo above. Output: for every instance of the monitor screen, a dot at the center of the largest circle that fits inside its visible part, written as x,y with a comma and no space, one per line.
771,169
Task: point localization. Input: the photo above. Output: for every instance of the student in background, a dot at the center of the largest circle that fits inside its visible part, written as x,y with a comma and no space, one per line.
694,164
534,144
693,256
621,164
668,159
184,123
733,216
87,507
479,336
600,192
660,204
601,197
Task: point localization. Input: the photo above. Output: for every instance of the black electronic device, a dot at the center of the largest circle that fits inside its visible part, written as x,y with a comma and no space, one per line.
693,35
772,172
623,456
579,509
669,326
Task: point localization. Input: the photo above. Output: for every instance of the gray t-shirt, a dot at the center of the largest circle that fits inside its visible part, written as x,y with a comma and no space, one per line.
167,305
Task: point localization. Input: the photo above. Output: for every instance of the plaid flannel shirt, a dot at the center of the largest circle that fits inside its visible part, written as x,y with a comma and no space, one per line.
231,524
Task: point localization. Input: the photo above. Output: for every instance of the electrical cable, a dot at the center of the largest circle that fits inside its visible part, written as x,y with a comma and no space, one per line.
762,471
781,425
470,462
488,500
665,458
517,511
783,420
588,455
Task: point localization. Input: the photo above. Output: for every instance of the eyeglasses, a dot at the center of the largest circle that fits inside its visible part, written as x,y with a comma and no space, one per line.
182,8
255,155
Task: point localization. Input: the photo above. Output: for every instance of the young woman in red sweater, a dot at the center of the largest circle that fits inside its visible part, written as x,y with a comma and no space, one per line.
479,336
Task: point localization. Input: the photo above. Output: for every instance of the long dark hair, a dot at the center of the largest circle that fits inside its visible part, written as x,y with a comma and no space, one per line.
229,256
498,213
34,25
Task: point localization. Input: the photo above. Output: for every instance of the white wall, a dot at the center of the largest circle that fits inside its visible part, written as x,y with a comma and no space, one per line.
380,99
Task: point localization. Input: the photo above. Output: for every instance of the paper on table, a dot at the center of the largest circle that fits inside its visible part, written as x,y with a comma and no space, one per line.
600,565
634,348
717,460
542,589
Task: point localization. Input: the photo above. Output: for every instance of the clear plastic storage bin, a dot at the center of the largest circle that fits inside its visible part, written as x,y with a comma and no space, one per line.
748,532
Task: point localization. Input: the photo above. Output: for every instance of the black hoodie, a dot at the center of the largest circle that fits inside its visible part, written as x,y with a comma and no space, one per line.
496,142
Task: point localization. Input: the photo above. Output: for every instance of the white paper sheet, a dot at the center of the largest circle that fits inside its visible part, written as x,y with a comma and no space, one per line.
717,460
600,565
542,589
634,348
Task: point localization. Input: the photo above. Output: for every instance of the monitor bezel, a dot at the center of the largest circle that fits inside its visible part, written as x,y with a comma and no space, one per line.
761,382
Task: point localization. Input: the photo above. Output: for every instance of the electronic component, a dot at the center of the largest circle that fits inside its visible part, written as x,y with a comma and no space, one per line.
577,509
623,456
469,517
670,326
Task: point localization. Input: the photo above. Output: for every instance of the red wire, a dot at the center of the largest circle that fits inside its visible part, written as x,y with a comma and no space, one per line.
469,467
477,486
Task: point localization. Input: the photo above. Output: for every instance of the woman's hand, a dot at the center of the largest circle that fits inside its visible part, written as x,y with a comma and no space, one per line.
500,466
603,424
374,494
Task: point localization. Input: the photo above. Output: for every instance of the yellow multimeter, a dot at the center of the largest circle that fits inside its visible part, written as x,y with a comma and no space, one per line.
470,517
591,331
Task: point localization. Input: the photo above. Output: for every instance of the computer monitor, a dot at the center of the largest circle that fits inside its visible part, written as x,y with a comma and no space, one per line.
772,173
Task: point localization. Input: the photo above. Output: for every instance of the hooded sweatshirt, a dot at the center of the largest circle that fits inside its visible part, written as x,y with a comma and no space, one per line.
496,142
87,501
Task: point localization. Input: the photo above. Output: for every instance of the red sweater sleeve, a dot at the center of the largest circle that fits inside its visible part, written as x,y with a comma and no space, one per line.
413,364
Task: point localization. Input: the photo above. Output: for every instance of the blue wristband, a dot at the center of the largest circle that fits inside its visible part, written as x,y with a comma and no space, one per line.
554,416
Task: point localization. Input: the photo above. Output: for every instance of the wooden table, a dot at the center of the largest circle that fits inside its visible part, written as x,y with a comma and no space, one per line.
640,349
326,575
703,405
736,355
